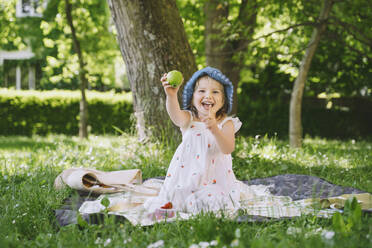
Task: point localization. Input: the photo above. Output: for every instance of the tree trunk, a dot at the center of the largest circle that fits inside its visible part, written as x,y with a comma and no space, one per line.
152,41
220,53
295,126
215,13
83,122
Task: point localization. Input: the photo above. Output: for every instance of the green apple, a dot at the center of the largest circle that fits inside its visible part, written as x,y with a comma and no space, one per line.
174,78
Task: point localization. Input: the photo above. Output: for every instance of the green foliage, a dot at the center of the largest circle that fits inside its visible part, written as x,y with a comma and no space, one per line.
342,62
35,112
350,221
96,37
347,118
263,106
193,19
44,112
105,202
17,33
81,222
50,39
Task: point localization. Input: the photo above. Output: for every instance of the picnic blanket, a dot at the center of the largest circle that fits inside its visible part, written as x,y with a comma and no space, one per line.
282,196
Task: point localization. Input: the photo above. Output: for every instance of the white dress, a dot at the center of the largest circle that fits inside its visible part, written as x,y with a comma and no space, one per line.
200,176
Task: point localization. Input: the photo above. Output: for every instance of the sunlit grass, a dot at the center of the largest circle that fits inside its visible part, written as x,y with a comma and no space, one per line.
342,162
28,167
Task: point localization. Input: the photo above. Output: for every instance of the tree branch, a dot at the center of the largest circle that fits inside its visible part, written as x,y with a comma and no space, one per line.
350,28
246,42
286,29
337,36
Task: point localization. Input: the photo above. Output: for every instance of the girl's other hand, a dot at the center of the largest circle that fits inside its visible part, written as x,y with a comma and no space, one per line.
210,121
169,90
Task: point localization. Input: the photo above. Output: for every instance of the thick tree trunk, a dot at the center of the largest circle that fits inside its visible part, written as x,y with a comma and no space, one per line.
152,41
295,126
215,13
220,53
83,122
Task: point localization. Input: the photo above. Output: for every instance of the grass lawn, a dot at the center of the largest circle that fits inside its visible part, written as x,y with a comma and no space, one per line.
28,167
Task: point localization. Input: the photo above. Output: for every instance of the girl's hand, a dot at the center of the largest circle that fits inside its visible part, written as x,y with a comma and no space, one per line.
169,90
210,121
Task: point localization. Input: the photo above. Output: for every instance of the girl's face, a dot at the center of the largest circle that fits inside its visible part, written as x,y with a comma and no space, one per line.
208,96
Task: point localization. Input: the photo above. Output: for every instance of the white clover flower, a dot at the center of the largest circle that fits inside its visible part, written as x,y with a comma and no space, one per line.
213,243
98,241
293,230
204,244
127,241
159,243
328,234
235,243
108,241
314,232
194,246
237,233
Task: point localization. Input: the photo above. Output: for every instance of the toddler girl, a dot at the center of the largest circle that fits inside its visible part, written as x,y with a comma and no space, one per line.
200,175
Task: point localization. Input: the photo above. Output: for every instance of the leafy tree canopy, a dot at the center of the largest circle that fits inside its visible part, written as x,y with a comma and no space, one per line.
50,39
341,65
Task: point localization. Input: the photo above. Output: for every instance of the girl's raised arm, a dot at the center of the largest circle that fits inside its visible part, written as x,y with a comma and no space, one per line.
179,117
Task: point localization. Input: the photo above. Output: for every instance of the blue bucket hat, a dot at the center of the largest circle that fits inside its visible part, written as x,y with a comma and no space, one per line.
217,75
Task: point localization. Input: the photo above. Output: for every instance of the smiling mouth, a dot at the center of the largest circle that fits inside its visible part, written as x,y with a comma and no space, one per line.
207,105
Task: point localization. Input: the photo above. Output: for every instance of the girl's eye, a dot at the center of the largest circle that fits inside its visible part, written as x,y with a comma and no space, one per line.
216,92
201,91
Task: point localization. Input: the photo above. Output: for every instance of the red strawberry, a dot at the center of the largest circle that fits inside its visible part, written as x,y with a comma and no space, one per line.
167,206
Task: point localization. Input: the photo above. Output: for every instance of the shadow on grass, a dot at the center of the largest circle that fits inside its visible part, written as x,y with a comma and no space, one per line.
337,150
358,177
258,167
24,144
30,143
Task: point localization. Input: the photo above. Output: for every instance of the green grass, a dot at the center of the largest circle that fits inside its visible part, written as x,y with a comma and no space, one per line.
28,167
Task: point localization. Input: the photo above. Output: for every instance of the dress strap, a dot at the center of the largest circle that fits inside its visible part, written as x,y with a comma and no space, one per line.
236,122
191,117
188,125
224,121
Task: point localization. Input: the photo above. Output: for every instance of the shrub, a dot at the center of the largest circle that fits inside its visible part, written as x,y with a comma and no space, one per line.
57,111
43,112
347,118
